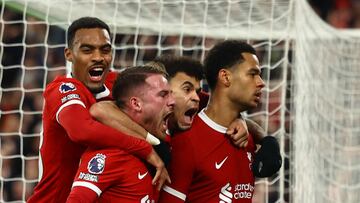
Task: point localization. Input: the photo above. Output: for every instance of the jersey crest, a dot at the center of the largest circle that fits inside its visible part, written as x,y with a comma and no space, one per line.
97,164
67,87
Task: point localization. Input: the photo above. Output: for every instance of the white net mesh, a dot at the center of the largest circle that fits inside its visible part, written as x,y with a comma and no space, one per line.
307,67
326,126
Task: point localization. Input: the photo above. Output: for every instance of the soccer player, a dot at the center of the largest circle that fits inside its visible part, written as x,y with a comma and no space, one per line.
113,175
67,125
185,75
205,166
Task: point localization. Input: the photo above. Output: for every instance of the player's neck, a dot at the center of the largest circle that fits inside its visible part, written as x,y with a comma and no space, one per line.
221,110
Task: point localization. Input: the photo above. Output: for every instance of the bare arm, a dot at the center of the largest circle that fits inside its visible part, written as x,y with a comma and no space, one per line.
109,114
257,132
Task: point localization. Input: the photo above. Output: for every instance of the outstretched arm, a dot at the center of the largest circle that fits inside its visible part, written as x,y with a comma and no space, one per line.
109,114
83,129
90,132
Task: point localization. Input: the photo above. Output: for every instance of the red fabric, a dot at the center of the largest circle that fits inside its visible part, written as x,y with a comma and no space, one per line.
206,167
82,195
342,4
120,177
70,100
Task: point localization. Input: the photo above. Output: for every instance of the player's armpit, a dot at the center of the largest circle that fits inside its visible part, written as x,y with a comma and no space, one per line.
109,114
83,129
82,195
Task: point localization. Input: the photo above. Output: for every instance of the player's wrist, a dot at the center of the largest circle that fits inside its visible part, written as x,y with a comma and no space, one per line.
152,139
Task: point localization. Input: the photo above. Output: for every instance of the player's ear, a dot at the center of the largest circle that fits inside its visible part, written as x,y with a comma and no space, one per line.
135,103
224,77
68,54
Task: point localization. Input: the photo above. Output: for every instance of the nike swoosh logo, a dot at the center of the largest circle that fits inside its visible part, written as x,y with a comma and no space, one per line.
218,166
141,176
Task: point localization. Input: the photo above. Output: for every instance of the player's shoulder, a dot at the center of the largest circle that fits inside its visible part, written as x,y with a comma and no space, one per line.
64,84
61,91
111,77
107,152
112,155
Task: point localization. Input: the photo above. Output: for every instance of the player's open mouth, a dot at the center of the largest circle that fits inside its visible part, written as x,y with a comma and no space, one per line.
96,74
189,115
258,97
165,120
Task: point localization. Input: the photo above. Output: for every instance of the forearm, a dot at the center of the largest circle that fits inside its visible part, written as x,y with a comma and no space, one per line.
257,132
81,128
109,114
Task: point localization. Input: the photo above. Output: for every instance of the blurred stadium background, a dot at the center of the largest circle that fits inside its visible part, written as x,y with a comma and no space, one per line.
310,56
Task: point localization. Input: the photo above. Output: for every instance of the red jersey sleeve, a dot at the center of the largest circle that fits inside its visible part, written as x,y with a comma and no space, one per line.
82,195
181,169
113,176
69,102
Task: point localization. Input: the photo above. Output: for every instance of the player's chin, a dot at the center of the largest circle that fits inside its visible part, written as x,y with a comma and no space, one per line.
184,125
96,88
161,134
254,104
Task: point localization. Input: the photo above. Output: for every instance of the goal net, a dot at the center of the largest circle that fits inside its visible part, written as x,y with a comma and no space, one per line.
311,102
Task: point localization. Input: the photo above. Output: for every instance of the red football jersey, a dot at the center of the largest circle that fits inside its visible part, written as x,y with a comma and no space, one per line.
206,167
59,155
114,176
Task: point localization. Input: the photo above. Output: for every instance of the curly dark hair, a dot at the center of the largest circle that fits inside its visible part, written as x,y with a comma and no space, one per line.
84,23
224,55
175,64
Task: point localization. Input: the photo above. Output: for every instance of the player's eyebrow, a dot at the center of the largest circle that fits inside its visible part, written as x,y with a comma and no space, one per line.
255,70
187,83
91,46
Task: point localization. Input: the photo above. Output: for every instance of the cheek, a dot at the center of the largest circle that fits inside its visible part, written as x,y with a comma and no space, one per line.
108,58
81,61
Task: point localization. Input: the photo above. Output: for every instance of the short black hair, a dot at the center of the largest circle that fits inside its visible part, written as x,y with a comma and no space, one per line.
175,64
224,55
84,23
131,78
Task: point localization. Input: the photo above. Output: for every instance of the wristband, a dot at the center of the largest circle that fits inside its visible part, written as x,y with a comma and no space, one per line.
152,139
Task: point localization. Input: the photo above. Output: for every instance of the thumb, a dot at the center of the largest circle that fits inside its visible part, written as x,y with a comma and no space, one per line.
230,131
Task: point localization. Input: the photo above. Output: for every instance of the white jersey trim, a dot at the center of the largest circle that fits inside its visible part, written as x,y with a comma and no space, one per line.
87,185
174,192
211,123
71,102
103,94
100,95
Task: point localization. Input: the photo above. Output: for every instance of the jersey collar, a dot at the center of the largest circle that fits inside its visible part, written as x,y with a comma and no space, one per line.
100,95
210,122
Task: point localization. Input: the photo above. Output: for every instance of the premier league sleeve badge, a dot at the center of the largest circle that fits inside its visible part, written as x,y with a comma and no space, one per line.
97,164
66,87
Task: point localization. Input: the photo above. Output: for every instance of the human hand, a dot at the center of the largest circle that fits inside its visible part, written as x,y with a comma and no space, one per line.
161,174
238,133
267,160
